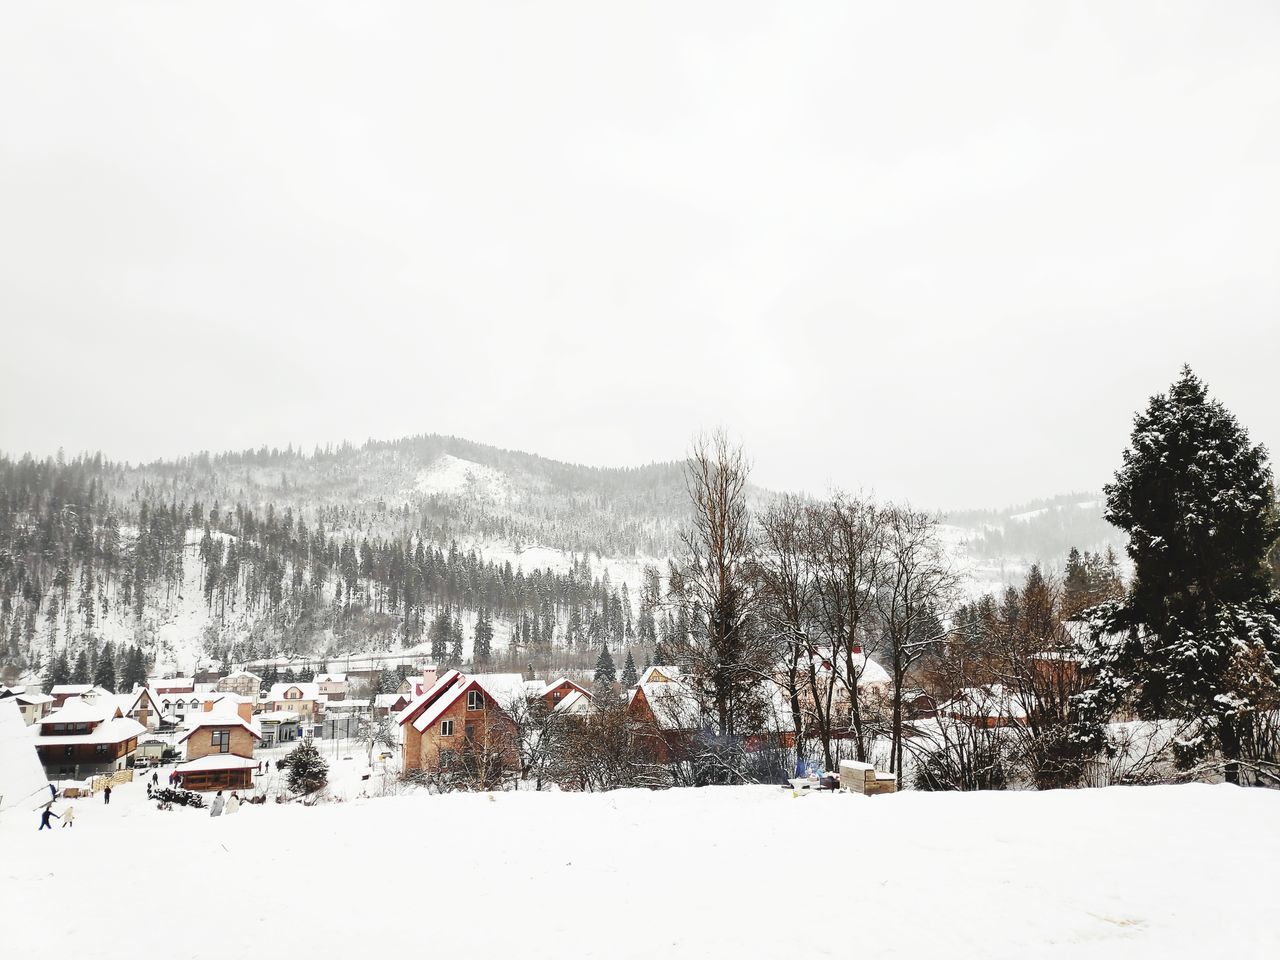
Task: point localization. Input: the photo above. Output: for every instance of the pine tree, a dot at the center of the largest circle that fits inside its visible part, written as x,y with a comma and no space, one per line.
629,677
58,672
308,771
104,674
80,672
135,671
482,650
606,674
1197,636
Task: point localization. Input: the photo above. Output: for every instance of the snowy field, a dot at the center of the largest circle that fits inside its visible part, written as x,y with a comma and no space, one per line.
723,872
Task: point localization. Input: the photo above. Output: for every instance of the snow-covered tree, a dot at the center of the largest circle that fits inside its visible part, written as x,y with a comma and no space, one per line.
308,771
1197,636
629,677
606,673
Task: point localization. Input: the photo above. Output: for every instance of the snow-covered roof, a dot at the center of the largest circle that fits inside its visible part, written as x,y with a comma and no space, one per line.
673,704
80,710
660,673
575,702
385,701
71,689
218,718
217,761
503,689
32,699
448,679
331,678
561,681
21,776
115,730
241,675
309,691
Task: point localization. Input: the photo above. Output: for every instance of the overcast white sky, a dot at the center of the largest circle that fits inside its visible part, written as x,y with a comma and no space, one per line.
939,251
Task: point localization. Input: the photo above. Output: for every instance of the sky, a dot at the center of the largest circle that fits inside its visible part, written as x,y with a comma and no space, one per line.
941,252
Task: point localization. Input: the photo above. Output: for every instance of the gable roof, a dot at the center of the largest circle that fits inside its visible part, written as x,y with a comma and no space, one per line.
660,673
424,699
575,702
331,678
561,681
80,710
113,730
218,718
310,691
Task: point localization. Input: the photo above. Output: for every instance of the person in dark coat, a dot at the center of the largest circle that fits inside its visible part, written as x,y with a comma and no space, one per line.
53,791
155,778
106,793
44,818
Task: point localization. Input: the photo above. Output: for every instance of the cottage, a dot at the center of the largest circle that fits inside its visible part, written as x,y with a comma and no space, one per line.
301,698
139,705
462,721
32,706
242,683
556,690
219,744
86,738
332,686
665,711
62,692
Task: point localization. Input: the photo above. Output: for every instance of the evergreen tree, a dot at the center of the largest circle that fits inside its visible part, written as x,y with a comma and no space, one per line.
308,771
482,651
606,674
104,674
135,670
80,672
629,677
1197,636
58,671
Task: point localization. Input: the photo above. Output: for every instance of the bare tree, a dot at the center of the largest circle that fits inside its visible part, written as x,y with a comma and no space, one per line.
916,584
728,655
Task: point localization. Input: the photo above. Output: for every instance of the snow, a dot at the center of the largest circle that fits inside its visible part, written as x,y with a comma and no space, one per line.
22,779
1069,874
455,476
222,761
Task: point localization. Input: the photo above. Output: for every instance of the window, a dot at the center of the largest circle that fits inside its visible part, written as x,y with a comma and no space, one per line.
222,740
100,749
475,700
446,728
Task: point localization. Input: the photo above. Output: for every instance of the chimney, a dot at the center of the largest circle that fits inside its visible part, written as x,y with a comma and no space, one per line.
429,677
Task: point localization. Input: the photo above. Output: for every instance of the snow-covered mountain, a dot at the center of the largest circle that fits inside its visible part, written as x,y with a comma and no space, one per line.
385,545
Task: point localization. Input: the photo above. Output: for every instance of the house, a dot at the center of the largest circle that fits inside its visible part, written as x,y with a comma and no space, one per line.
332,686
176,707
576,703
386,704
665,711
31,706
86,738
23,782
413,687
300,698
277,726
462,720
873,683
556,690
219,743
139,705
242,683
173,685
62,692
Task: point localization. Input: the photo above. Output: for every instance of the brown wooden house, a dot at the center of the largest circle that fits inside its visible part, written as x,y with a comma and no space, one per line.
461,723
219,745
85,739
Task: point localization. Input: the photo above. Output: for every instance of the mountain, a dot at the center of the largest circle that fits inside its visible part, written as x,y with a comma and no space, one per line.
432,543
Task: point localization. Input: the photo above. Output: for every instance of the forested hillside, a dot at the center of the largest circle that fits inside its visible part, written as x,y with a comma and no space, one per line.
473,551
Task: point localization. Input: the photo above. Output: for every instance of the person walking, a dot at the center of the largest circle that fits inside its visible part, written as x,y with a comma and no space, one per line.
68,817
155,778
53,792
233,804
106,794
44,817
215,809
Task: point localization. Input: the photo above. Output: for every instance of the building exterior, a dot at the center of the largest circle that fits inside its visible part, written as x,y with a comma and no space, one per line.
557,690
300,698
86,738
277,726
242,683
219,743
332,686
176,707
63,692
173,685
31,706
460,725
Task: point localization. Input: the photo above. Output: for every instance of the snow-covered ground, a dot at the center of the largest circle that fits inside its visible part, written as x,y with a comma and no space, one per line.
453,475
1155,872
